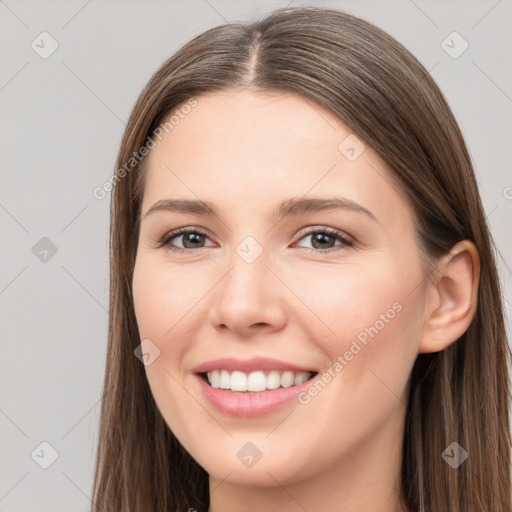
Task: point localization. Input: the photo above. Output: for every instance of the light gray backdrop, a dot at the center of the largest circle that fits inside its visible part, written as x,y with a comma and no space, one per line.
69,75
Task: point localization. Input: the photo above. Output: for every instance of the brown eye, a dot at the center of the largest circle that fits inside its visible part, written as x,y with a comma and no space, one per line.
323,240
191,238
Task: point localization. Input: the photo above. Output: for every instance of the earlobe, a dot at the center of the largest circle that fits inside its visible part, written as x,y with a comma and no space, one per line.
453,296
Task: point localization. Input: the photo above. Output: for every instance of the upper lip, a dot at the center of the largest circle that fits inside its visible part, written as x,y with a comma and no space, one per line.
249,365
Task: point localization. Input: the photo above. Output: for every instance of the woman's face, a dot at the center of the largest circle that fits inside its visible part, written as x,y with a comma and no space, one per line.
259,280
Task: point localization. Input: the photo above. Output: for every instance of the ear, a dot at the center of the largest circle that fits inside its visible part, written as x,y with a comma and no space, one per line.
452,295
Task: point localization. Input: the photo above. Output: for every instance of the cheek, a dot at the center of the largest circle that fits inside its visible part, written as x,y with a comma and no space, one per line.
370,323
159,306
344,301
163,296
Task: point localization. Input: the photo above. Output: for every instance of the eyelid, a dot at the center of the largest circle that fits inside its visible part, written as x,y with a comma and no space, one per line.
346,240
318,228
176,233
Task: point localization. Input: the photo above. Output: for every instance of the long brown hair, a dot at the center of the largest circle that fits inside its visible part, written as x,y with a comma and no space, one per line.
385,96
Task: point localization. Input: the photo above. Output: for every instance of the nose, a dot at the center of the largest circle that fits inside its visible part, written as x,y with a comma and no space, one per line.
249,299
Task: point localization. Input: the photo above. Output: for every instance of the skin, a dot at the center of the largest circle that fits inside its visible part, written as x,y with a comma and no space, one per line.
246,151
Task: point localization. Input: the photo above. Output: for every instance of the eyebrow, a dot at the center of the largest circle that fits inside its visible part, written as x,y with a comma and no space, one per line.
289,207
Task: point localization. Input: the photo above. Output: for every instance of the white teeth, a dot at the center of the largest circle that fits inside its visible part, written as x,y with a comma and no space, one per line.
287,379
238,381
225,380
214,378
273,380
300,378
255,381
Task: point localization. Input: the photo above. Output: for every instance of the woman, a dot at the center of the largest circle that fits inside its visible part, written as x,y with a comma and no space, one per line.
302,267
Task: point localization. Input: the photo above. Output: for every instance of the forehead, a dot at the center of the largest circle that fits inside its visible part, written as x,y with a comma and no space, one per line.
245,149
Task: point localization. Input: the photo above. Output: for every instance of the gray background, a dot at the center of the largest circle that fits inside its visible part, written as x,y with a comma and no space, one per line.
62,122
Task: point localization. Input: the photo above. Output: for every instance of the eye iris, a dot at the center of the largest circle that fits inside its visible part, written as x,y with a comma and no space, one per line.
192,238
320,240
319,237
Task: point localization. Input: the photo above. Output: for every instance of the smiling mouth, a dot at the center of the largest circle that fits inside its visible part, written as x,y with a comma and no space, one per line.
255,382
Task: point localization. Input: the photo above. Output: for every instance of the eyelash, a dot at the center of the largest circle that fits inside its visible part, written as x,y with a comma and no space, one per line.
347,242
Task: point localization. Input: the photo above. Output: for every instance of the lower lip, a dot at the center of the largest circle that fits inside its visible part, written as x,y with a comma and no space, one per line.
248,405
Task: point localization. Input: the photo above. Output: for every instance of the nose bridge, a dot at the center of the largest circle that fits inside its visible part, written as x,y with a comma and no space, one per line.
245,284
247,294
